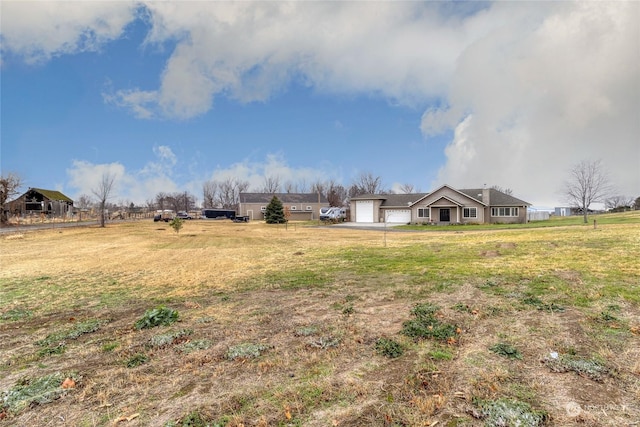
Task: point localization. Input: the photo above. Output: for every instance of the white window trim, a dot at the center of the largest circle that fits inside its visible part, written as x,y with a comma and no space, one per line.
470,210
510,212
309,208
425,212
293,208
263,208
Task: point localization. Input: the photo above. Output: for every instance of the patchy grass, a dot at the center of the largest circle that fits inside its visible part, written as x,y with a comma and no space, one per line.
310,304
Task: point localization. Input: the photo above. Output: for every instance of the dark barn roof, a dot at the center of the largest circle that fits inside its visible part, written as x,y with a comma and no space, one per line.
51,194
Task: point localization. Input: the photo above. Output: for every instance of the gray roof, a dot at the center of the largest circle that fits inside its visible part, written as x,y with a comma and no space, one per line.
284,197
497,198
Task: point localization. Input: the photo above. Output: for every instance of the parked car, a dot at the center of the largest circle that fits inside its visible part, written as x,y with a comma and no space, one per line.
183,215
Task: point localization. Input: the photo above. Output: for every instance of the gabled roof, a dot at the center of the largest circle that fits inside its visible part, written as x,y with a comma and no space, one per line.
401,200
51,194
496,198
284,197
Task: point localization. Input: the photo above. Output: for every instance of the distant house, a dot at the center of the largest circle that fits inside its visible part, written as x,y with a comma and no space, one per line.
445,205
41,201
298,206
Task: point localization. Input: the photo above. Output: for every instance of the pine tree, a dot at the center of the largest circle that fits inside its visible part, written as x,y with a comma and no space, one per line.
274,212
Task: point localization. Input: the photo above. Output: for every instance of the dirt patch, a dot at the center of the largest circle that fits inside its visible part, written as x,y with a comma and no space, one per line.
490,254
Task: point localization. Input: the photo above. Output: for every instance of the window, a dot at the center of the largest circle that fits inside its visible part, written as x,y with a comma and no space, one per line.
504,211
469,213
308,208
423,212
293,208
263,208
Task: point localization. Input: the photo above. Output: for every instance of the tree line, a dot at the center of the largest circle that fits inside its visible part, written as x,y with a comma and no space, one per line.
588,182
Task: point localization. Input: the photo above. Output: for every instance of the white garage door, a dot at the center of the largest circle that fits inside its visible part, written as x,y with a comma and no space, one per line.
399,215
364,211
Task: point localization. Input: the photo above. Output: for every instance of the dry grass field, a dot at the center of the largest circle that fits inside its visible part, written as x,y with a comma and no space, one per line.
228,324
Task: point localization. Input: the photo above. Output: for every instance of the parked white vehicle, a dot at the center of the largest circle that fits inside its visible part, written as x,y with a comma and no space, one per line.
334,214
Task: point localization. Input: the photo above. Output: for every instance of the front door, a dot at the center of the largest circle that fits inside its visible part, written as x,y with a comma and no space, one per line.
444,215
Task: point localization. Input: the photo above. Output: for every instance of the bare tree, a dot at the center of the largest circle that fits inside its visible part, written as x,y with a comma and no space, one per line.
290,187
161,200
9,186
407,189
588,183
318,187
507,191
229,192
209,192
271,185
366,183
336,194
618,203
84,201
103,192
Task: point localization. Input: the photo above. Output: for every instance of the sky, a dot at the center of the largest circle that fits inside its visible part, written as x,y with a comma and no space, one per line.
165,96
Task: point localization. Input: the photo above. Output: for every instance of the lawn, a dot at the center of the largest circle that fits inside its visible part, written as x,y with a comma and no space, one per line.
226,324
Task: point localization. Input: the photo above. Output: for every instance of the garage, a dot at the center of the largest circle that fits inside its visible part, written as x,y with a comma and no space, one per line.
364,211
402,216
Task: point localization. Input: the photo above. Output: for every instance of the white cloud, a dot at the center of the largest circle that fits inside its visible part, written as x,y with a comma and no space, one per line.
543,95
39,30
273,166
248,51
140,186
529,88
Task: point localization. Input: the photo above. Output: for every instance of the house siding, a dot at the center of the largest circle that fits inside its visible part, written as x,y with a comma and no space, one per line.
294,204
447,205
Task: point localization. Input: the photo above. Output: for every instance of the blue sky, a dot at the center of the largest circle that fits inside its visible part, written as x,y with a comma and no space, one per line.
166,96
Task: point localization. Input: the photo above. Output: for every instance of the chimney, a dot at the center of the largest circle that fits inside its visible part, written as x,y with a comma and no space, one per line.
485,196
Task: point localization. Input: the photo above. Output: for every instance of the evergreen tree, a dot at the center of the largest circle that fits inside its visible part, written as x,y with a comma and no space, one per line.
274,212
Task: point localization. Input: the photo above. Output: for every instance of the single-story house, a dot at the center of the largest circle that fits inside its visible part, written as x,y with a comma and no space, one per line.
297,206
41,201
445,205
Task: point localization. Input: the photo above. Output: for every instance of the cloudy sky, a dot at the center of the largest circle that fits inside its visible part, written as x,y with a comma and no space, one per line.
167,95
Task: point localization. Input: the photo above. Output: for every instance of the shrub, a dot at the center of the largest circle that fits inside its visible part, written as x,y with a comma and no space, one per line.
176,223
160,316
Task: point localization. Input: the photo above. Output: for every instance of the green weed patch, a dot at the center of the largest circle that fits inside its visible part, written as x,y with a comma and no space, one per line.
160,316
506,350
507,413
589,368
73,333
170,338
389,348
427,325
30,391
246,351
137,360
195,345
